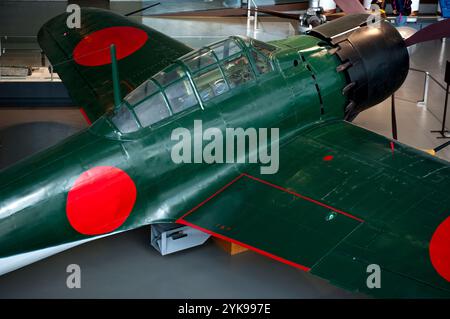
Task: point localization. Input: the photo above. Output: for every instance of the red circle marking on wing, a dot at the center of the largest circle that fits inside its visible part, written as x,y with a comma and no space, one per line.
94,49
328,158
440,249
100,200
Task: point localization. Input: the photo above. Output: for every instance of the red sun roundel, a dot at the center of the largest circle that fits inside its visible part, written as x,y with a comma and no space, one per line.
94,49
440,249
100,200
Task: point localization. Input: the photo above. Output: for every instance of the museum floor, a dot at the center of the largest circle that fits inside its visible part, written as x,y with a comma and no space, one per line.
126,266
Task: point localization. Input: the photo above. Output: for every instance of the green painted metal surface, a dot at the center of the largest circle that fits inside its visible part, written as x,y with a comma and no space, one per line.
362,201
91,87
115,77
401,206
300,230
45,179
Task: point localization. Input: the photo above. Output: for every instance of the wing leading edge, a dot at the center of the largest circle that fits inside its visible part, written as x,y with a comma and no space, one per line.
342,200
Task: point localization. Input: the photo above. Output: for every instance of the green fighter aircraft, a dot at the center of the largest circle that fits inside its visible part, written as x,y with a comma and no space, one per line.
316,192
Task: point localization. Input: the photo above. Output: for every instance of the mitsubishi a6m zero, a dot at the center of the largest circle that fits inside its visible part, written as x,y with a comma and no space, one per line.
340,200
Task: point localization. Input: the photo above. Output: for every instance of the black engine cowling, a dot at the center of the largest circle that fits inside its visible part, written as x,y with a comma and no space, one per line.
374,58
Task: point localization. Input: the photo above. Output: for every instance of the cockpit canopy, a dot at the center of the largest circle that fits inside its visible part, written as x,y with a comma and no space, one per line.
193,80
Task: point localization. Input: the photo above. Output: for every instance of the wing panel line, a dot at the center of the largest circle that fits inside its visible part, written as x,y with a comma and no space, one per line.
257,250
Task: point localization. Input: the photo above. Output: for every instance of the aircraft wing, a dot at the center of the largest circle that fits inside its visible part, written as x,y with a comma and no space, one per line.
81,56
344,198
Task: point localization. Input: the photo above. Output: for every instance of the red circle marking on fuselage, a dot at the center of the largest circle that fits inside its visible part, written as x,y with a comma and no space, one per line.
94,49
328,158
100,200
440,249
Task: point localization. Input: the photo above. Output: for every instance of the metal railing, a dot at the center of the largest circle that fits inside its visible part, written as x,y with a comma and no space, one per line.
424,102
428,78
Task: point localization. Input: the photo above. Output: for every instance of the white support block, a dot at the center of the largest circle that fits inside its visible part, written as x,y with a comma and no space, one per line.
170,238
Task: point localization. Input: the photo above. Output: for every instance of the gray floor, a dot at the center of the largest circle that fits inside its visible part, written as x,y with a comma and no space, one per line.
126,266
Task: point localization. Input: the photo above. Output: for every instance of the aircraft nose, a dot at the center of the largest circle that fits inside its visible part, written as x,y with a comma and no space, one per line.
362,52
